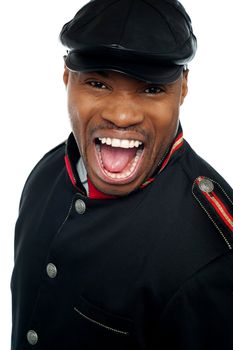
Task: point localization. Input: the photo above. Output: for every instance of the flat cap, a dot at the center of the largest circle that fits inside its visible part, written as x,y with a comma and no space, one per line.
151,40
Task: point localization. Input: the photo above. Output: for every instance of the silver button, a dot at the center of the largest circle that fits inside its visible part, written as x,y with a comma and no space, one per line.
51,270
206,185
32,337
80,206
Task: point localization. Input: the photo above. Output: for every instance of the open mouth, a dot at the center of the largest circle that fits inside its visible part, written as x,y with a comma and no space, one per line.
119,159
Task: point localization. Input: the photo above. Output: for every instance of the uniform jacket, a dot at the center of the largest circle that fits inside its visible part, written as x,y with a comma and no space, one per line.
150,270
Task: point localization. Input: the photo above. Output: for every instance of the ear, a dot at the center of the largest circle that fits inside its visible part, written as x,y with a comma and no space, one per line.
65,74
184,86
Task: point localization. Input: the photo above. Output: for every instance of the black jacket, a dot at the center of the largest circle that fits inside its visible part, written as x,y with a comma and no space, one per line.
151,270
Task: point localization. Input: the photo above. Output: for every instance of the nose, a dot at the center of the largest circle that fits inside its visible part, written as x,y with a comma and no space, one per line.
123,111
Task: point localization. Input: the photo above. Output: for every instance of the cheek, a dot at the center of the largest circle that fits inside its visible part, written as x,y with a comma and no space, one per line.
77,112
165,114
164,123
78,109
82,117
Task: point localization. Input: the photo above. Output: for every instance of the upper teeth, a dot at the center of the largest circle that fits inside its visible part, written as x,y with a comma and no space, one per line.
120,143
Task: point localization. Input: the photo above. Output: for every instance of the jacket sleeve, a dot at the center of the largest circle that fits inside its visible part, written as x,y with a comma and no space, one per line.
200,314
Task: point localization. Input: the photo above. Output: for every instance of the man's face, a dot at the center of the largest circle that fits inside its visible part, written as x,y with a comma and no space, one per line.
122,126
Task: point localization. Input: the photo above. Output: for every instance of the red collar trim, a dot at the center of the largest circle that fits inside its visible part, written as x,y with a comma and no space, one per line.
70,171
96,194
176,145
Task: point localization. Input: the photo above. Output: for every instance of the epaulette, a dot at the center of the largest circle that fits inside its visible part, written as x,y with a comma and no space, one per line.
216,204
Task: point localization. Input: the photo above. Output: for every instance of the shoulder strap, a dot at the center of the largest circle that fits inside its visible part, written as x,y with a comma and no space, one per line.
216,204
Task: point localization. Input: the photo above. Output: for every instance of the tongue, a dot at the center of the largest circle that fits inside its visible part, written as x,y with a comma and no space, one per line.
115,159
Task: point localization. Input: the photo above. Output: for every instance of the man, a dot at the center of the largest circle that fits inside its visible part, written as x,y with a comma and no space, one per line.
124,236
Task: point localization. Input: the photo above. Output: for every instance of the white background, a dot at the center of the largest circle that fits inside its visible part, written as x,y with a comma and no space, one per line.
33,102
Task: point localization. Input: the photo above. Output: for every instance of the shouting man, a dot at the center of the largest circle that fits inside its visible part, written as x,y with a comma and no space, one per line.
124,236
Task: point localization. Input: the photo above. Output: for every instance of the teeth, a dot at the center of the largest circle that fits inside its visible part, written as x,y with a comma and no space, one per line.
120,143
131,144
103,140
125,143
116,143
108,141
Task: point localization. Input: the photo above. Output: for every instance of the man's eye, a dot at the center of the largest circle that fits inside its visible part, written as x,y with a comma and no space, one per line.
153,90
97,84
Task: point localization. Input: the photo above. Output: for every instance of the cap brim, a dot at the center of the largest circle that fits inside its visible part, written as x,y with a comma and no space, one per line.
154,72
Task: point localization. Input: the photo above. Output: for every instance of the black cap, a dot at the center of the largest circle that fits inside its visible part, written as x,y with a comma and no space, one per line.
151,40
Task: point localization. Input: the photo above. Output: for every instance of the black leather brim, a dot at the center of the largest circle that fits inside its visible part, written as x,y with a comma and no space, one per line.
147,71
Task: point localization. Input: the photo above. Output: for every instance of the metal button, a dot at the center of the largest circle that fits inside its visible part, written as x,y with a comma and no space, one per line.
51,270
32,337
80,206
206,185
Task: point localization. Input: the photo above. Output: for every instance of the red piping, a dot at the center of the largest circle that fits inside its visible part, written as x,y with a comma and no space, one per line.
69,170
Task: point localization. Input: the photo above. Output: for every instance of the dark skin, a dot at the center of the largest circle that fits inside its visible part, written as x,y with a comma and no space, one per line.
113,105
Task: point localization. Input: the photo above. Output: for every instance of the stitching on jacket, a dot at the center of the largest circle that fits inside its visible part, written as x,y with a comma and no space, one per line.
66,218
224,192
100,324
